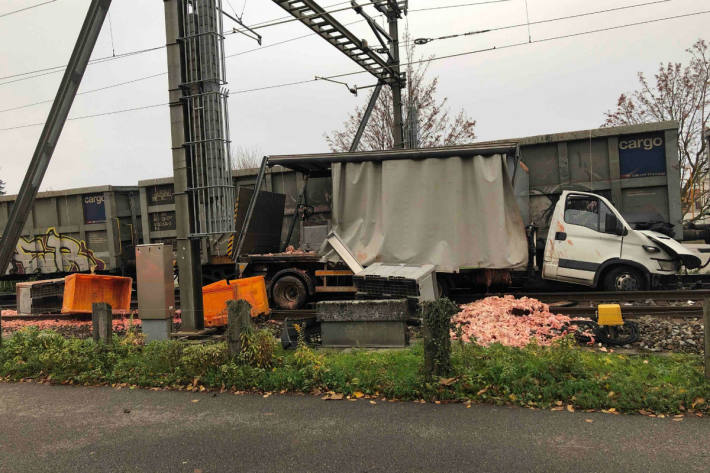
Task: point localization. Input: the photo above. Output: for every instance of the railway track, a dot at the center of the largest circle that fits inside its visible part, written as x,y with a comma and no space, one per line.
665,304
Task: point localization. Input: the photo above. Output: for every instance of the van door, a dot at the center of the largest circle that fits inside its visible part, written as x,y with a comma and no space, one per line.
584,233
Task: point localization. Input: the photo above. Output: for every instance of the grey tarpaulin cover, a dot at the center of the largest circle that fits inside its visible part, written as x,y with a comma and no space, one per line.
451,212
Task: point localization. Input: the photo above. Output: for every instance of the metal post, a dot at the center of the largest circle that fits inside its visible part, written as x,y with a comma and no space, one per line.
396,84
52,128
366,117
188,249
706,325
301,200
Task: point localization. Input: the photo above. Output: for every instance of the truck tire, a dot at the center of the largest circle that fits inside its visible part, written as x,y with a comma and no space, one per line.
624,278
289,292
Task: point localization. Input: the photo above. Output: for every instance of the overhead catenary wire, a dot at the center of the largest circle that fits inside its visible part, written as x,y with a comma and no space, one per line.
23,76
57,69
421,41
439,58
94,115
20,10
418,41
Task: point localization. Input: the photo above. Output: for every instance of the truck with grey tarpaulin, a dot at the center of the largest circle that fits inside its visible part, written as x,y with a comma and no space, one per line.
481,217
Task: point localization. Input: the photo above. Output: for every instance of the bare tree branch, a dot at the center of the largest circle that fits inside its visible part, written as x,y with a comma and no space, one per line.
244,157
436,126
680,93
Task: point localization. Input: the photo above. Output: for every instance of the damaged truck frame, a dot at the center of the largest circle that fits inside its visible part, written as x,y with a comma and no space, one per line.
455,208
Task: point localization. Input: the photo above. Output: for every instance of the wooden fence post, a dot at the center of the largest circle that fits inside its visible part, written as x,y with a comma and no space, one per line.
706,326
239,320
102,321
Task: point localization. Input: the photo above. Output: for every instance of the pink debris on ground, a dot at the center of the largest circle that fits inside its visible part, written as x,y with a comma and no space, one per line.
8,313
511,322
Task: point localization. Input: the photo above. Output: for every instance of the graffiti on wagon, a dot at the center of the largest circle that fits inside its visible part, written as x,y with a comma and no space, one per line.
53,252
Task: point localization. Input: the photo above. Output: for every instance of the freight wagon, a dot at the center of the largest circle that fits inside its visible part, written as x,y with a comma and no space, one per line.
77,230
635,167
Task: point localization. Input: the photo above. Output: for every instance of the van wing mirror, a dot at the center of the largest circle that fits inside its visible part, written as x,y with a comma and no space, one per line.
613,225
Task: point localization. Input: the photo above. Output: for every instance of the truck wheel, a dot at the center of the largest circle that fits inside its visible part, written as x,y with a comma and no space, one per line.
289,293
624,278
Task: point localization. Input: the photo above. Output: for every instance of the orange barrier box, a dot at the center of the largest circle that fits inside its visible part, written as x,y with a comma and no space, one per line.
216,295
82,290
214,301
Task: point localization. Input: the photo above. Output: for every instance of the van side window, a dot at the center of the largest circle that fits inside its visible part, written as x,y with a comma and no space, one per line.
582,211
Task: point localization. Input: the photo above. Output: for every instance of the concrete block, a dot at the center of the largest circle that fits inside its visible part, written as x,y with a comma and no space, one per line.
382,334
156,329
392,310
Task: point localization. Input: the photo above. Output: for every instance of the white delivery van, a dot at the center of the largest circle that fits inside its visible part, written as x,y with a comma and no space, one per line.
590,243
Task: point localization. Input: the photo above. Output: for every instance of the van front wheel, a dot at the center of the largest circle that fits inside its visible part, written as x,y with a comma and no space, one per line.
624,278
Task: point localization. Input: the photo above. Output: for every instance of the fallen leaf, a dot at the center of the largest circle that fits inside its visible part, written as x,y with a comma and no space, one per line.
195,400
557,409
468,406
645,362
611,394
698,401
373,402
333,397
194,381
558,403
437,402
570,408
266,395
447,381
589,421
678,419
482,391
358,394
661,416
644,412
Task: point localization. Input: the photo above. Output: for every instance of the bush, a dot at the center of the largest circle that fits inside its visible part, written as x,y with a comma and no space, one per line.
437,336
533,376
257,348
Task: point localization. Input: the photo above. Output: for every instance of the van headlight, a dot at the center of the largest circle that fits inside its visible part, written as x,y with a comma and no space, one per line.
667,265
651,249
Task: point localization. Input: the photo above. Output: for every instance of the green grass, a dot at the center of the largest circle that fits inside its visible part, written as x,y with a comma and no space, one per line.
534,376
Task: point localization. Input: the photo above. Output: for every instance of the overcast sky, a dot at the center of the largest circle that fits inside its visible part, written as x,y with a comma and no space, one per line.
544,87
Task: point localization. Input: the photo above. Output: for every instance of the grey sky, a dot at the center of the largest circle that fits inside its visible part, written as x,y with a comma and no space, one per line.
539,88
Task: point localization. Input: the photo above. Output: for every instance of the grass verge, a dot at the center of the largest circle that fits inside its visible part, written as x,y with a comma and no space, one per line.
559,377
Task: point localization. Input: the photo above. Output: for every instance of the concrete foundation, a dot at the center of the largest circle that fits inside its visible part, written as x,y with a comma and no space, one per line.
373,324
156,329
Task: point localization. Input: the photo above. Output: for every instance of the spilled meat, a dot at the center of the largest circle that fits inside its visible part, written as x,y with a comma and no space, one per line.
511,322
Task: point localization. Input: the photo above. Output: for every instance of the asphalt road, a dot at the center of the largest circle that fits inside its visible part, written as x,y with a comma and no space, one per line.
64,428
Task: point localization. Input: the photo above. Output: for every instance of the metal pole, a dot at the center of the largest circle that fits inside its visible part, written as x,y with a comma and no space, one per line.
52,128
188,249
366,117
301,199
396,84
250,210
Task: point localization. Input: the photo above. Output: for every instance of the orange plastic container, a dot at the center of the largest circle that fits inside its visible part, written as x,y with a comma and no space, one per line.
216,295
82,290
214,301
